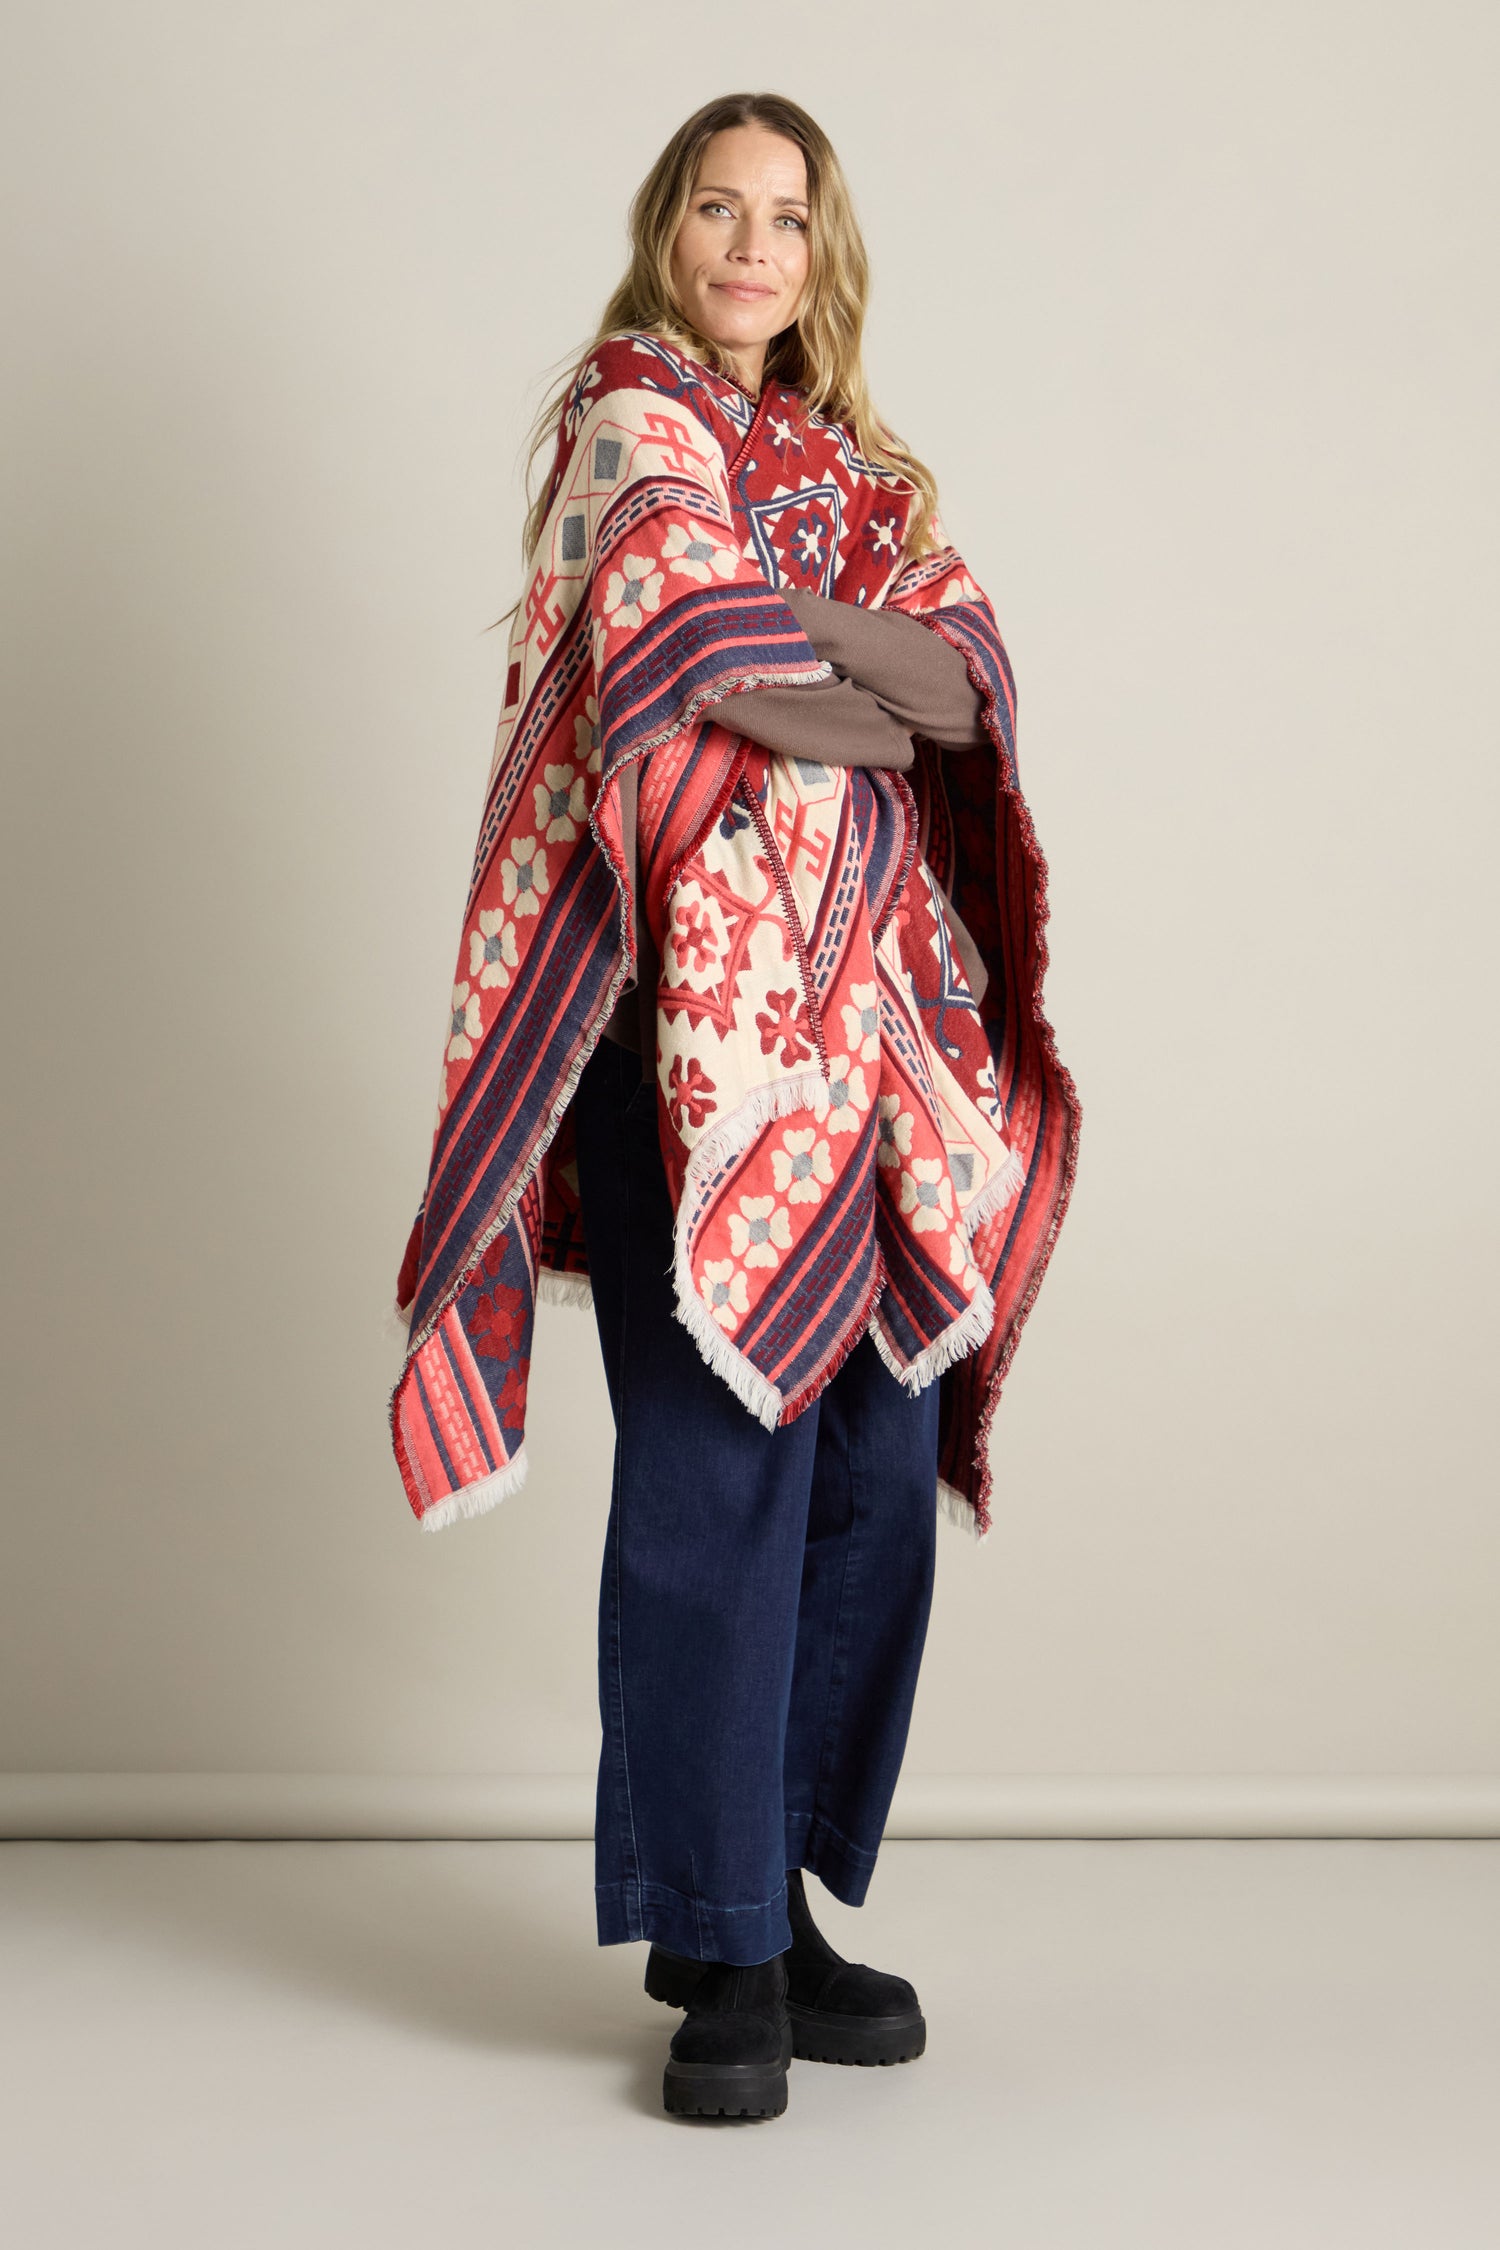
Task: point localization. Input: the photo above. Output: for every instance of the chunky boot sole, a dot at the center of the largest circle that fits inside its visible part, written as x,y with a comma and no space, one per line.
727,2089
818,2035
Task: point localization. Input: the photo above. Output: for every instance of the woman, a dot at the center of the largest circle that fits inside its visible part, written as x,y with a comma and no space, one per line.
746,1050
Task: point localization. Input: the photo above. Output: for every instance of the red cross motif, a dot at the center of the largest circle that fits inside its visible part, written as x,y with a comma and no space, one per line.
792,834
545,616
671,438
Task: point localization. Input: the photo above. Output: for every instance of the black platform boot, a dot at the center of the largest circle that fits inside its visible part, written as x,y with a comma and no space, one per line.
729,2054
841,2011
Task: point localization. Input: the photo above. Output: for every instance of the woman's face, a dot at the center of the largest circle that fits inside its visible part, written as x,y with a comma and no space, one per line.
740,257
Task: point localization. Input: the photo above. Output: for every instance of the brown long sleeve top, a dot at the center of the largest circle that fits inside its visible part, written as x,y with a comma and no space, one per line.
892,678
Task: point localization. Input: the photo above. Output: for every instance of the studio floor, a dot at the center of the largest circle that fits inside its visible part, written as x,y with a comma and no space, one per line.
1192,2046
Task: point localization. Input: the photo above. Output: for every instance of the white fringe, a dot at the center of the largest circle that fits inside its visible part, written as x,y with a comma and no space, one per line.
564,1288
729,1137
995,1194
952,1504
478,1498
963,1336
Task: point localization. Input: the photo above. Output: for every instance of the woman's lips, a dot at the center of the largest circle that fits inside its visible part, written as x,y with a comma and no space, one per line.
743,289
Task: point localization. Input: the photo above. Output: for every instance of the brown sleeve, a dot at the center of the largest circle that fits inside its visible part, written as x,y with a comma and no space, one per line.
918,677
836,721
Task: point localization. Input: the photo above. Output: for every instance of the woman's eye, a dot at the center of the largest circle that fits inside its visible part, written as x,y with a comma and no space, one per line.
800,224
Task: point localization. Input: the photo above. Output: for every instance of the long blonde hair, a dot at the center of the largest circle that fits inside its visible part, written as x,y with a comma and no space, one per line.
818,355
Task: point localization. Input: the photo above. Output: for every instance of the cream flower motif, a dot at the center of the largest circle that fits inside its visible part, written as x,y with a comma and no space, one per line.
632,589
845,1096
893,1130
960,589
759,1229
927,1194
862,1021
588,744
696,553
799,1164
986,1089
492,948
465,1023
561,803
724,1290
958,1256
523,876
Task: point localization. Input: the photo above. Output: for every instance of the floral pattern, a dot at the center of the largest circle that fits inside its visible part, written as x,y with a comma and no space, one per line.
689,1092
465,1024
523,875
632,590
862,1021
695,553
802,1166
492,948
725,1291
759,1230
786,1024
588,743
561,804
893,1126
845,1099
927,1194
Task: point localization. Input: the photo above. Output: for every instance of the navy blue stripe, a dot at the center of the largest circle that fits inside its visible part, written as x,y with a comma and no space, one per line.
681,652
539,1034
843,1218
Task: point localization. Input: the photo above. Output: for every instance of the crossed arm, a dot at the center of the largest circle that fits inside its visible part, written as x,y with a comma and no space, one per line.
892,678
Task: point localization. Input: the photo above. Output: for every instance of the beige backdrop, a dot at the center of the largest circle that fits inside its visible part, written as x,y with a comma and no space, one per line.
1190,308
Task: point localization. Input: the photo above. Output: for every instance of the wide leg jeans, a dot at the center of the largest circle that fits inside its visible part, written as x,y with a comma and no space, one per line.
764,1596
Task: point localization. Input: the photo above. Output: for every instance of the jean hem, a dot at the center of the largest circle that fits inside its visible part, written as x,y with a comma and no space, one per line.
694,1927
840,1866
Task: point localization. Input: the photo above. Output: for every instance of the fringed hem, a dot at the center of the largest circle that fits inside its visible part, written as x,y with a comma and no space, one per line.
555,1288
996,1193
730,1137
395,1325
476,1499
749,1386
952,1504
957,1341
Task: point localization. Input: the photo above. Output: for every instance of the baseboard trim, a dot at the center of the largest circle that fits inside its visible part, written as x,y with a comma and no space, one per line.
436,1807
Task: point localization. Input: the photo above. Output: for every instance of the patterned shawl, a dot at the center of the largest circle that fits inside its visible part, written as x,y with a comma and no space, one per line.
850,1141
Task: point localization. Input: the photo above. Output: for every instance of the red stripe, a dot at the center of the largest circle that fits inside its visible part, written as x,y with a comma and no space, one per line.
479,1398
424,1462
447,1406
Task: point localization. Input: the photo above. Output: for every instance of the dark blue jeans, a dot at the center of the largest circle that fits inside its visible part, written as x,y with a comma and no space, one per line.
764,1596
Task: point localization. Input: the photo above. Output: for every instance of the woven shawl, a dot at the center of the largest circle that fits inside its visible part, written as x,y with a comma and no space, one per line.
850,1142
